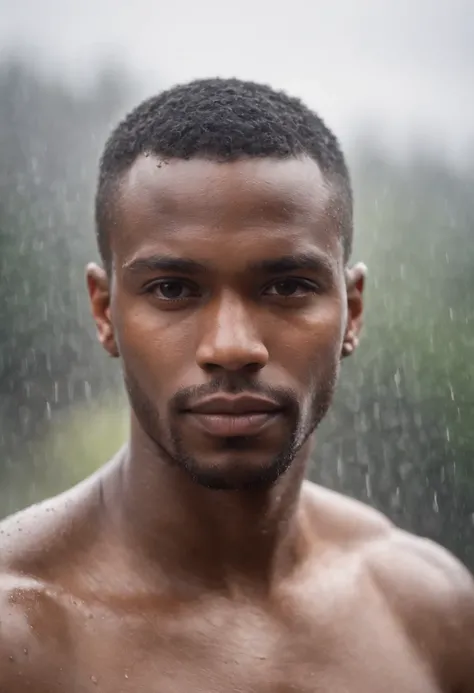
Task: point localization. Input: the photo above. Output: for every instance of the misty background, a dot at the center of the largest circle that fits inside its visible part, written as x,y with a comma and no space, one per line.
394,80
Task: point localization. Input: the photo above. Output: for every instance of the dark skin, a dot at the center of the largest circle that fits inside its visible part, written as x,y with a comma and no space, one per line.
202,561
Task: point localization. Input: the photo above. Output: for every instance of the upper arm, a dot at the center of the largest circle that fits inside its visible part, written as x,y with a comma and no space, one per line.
432,595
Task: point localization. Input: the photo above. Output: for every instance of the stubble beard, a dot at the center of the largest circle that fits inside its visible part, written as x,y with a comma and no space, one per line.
303,420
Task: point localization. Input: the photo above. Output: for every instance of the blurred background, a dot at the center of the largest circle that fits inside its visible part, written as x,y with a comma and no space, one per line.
394,79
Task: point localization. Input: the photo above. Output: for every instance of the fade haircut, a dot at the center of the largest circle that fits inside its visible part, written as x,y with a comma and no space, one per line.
222,120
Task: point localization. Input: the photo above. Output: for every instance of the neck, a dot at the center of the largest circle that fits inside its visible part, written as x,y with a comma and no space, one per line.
220,538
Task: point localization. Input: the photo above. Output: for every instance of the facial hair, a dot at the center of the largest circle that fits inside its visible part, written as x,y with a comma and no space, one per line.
302,419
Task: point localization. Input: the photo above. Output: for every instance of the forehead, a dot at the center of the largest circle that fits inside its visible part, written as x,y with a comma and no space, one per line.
199,206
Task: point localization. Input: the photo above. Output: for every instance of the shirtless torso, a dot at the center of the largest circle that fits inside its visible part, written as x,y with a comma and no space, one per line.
369,608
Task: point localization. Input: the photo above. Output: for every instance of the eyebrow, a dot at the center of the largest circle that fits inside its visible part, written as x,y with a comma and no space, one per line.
164,263
310,261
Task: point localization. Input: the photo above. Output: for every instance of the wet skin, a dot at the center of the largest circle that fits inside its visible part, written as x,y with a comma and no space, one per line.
198,559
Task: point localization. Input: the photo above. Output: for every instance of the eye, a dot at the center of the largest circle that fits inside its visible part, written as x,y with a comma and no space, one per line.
290,288
171,290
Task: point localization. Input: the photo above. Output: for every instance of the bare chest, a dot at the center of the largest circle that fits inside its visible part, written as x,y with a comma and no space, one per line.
243,651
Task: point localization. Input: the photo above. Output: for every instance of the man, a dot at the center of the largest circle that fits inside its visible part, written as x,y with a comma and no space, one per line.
198,559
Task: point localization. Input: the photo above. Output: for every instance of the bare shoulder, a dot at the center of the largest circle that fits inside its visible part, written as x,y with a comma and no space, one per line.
398,560
411,570
33,633
428,591
42,535
404,563
37,545
432,595
421,578
343,520
29,613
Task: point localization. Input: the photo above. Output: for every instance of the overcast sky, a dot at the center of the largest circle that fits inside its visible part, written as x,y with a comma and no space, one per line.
406,67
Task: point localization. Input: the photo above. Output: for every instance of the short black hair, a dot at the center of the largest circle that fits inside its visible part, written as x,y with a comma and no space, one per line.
221,119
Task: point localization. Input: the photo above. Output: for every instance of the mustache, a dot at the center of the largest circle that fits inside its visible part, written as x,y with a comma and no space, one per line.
186,397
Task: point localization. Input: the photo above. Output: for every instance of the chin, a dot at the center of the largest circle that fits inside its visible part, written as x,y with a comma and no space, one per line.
231,471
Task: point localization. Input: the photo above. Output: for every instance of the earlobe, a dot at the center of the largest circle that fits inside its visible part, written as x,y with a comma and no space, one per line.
349,345
107,339
99,294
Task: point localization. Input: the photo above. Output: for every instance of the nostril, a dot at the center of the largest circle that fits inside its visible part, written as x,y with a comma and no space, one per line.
252,367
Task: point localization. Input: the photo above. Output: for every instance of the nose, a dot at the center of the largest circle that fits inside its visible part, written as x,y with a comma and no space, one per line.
230,340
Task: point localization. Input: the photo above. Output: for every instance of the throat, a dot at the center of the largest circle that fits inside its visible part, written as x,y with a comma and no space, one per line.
212,538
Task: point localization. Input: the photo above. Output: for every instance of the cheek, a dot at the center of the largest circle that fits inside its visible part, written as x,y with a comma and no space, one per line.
151,344
311,344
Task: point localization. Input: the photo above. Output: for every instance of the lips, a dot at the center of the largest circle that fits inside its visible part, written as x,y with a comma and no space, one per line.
225,416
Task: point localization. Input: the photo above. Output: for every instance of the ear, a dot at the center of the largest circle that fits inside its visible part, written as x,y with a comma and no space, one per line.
98,285
355,282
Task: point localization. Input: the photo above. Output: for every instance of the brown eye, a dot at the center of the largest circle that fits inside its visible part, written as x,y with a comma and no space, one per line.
290,288
171,290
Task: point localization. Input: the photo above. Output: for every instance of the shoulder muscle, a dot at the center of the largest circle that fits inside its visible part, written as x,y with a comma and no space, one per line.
432,594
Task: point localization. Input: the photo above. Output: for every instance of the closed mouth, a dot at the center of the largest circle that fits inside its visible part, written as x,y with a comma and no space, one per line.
235,406
226,416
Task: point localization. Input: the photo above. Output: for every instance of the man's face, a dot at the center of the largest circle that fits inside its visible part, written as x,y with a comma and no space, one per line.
228,305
